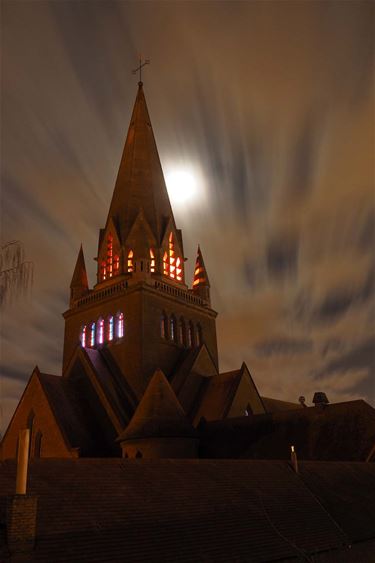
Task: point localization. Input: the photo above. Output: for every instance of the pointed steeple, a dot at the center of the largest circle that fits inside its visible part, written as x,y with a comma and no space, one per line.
201,284
79,285
140,182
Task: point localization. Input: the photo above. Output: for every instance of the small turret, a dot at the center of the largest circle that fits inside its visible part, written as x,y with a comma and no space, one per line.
159,427
79,285
201,284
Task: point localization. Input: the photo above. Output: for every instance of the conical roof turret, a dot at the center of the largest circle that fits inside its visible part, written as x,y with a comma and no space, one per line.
79,284
201,284
140,181
159,413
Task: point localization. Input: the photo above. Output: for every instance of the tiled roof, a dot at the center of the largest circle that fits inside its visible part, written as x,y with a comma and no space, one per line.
341,431
219,394
112,510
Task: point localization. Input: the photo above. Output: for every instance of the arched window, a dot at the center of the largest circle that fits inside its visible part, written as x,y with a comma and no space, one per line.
110,328
130,261
190,335
100,332
164,326
172,264
120,325
83,336
92,334
152,264
173,332
30,426
38,444
181,332
199,335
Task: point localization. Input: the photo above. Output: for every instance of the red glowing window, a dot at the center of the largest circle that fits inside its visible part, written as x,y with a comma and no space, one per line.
152,265
172,264
130,261
110,255
103,270
116,265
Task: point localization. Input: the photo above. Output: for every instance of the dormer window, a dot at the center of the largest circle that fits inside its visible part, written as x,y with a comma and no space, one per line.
172,264
130,261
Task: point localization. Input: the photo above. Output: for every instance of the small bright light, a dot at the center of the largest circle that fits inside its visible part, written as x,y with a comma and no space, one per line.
182,185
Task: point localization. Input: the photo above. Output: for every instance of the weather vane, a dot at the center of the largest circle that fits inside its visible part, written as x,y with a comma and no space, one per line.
141,65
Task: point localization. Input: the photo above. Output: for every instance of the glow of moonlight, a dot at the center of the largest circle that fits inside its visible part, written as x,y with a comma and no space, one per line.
182,186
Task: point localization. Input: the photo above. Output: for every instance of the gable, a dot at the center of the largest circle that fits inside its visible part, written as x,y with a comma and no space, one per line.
54,442
246,397
101,407
191,378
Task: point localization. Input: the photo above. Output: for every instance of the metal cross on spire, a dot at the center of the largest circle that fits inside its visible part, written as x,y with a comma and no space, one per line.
139,68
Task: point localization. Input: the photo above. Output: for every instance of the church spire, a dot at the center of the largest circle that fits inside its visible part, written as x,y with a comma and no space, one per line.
140,182
201,284
79,285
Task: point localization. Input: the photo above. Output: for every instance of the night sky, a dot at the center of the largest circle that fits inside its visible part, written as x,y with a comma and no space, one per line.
270,105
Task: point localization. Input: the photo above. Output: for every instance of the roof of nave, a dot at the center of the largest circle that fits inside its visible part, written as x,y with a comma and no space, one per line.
339,431
195,510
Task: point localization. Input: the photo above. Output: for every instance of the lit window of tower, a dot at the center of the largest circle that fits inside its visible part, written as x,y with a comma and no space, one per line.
110,328
103,270
152,265
165,264
110,255
120,325
130,261
100,331
116,265
83,337
92,334
172,265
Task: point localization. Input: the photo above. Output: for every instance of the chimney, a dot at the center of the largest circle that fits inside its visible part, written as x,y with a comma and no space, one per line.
320,399
22,507
293,459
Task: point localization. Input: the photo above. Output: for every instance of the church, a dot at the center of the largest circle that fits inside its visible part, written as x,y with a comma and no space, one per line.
142,450
140,346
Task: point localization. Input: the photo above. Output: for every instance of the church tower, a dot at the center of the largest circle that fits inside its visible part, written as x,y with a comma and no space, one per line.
140,314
